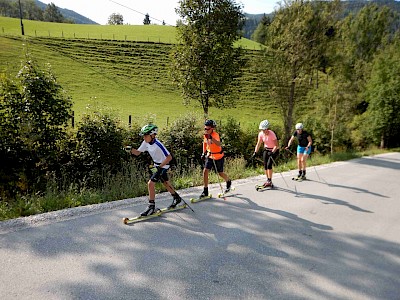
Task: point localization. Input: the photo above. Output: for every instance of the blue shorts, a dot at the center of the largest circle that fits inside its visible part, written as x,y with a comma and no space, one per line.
302,150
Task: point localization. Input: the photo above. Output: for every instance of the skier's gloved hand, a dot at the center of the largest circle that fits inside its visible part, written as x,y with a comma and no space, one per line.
128,149
207,136
153,169
203,156
254,155
269,153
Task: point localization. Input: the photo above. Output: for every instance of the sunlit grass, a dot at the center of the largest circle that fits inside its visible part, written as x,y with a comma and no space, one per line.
138,33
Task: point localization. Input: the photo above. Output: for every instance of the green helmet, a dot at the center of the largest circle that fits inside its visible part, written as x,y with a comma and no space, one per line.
148,129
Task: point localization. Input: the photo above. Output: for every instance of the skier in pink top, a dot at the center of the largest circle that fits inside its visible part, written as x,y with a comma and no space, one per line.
271,149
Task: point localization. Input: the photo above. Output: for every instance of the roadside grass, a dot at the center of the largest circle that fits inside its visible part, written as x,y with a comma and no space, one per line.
130,183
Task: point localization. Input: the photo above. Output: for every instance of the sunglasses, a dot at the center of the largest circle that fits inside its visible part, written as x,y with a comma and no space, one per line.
205,128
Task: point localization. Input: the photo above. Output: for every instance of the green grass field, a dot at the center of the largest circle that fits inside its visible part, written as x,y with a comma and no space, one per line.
138,33
126,75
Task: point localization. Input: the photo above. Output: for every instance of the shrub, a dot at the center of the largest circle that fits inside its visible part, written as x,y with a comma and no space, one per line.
34,111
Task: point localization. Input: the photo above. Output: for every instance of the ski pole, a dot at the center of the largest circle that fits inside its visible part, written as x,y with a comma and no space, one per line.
287,149
273,161
181,197
219,180
290,151
315,169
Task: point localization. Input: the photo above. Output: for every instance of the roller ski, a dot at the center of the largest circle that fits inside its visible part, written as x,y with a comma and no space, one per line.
152,212
266,186
204,196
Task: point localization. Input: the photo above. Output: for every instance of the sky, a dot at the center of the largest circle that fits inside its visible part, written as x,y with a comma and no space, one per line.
133,11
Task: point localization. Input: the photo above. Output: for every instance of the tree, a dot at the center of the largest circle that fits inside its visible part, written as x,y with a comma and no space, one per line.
383,96
34,112
52,14
32,11
259,35
115,19
146,20
296,42
205,61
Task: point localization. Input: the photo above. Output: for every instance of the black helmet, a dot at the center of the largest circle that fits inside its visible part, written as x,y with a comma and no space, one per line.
210,123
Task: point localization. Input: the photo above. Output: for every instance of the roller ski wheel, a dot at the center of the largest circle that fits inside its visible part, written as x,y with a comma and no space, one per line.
194,200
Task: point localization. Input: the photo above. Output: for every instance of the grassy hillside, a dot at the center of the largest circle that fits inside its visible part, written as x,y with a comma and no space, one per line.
138,33
130,77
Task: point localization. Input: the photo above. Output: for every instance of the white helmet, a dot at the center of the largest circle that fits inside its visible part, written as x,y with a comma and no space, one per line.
299,126
264,125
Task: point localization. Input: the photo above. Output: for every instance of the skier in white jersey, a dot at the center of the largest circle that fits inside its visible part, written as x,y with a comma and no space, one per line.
161,158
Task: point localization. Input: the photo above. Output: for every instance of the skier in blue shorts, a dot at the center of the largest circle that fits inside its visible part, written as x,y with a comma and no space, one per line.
303,148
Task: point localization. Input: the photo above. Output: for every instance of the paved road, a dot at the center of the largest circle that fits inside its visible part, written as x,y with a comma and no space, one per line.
336,236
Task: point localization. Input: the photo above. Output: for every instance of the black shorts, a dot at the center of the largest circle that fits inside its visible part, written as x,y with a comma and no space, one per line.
161,176
219,164
269,158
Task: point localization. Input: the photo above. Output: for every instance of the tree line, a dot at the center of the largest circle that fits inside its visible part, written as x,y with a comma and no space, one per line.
319,67
328,71
31,11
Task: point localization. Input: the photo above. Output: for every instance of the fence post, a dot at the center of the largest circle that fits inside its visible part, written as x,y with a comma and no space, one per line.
73,119
130,121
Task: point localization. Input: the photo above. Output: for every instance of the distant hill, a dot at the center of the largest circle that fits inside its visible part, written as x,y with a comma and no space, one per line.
69,14
353,6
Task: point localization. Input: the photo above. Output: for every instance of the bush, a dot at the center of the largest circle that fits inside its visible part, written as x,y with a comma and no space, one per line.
94,152
34,112
237,142
183,139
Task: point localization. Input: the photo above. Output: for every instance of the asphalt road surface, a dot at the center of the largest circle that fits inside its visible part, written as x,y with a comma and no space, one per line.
335,236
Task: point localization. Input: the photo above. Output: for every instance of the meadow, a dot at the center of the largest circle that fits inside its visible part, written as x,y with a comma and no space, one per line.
127,73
